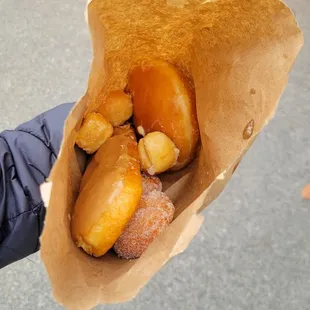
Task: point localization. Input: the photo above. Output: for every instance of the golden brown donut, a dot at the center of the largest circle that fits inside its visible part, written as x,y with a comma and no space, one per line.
95,130
154,213
125,130
150,183
157,153
111,189
117,108
163,100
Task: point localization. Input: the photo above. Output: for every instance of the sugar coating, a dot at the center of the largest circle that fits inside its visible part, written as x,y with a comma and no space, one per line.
150,183
155,212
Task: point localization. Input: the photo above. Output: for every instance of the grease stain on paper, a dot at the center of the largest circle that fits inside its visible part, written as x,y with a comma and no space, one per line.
248,130
252,91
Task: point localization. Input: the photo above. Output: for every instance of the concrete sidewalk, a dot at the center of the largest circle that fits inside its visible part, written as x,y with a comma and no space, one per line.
253,251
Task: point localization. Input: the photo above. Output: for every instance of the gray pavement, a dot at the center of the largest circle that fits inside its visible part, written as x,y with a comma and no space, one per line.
253,251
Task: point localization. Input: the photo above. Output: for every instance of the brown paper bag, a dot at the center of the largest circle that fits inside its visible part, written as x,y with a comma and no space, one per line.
238,54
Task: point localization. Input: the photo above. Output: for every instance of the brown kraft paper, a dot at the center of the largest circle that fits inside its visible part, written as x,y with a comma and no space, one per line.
238,54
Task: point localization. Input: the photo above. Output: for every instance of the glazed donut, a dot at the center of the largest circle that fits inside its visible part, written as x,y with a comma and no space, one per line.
164,100
157,153
110,191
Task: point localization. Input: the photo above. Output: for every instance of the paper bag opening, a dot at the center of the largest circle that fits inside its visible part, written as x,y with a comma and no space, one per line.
238,55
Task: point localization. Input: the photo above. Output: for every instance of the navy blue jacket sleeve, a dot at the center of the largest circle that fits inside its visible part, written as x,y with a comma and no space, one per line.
27,155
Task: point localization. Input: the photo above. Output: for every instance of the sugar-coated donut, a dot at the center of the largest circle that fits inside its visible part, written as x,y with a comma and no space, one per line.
150,183
153,215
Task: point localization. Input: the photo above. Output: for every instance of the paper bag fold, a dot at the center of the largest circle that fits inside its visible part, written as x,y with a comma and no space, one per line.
238,55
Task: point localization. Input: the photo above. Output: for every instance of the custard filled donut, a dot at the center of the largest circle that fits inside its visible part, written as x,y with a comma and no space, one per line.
164,100
110,191
154,213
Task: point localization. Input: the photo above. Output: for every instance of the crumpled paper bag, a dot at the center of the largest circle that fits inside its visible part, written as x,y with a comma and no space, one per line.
238,54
